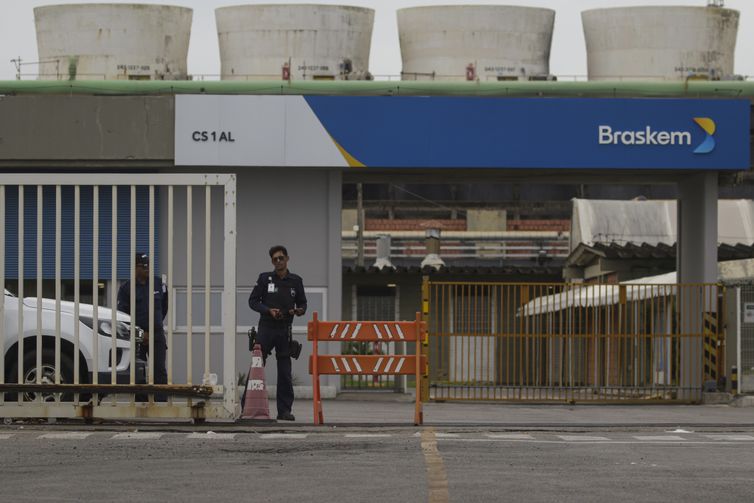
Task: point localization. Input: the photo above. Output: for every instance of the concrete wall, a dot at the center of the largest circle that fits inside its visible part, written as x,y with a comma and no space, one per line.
118,129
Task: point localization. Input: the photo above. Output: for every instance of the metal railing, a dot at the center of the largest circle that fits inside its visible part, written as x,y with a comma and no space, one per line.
70,359
524,245
573,343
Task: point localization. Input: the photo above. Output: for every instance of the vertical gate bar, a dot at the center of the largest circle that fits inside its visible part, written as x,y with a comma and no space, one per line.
77,285
2,284
57,284
150,297
95,282
132,289
20,362
207,275
40,230
171,294
113,284
189,287
474,323
229,299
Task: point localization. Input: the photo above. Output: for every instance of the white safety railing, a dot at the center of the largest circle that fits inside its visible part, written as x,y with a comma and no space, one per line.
70,359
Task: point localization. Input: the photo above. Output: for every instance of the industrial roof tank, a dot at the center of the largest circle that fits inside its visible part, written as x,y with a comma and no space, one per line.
660,43
470,42
294,42
113,41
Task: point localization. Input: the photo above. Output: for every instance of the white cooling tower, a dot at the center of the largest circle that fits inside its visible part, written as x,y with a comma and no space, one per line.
113,41
485,42
660,43
298,42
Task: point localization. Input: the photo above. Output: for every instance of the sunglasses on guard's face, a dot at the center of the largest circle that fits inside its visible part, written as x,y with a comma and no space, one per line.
279,258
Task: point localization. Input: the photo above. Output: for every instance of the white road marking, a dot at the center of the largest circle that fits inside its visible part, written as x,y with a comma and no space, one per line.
659,438
581,438
510,436
744,438
137,435
70,435
5,436
368,435
446,435
211,435
274,436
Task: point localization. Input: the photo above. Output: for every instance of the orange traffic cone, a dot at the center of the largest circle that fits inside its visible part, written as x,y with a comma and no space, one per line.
255,404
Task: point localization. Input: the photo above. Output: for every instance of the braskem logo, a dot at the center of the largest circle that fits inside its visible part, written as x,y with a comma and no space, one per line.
649,136
708,125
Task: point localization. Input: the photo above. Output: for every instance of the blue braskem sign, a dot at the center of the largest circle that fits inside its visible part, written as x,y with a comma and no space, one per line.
547,133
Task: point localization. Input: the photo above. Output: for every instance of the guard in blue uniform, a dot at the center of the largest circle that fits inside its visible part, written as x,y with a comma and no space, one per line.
278,296
142,315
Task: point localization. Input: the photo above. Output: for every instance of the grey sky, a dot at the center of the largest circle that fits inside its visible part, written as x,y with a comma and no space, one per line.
17,37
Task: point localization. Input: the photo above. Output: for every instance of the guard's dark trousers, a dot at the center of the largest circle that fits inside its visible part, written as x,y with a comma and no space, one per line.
277,338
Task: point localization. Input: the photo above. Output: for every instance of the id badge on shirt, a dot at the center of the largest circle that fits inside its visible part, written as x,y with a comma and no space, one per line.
271,288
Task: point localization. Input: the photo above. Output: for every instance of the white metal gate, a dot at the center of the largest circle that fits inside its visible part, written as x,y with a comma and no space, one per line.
71,359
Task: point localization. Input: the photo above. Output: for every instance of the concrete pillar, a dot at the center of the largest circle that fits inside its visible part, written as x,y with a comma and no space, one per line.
697,229
696,263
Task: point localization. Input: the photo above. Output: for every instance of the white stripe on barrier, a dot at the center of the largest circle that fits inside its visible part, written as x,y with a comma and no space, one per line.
356,332
387,331
334,330
400,365
347,367
345,331
377,331
389,364
400,332
255,385
377,366
356,364
335,364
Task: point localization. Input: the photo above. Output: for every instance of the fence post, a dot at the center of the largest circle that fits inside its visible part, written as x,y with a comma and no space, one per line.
422,346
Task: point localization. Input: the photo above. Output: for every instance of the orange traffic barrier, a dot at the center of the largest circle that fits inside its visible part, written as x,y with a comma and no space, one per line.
256,406
376,364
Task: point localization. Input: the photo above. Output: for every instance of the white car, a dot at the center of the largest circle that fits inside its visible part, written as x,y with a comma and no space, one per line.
88,363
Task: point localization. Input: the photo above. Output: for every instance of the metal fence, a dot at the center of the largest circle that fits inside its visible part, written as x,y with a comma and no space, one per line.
71,359
571,342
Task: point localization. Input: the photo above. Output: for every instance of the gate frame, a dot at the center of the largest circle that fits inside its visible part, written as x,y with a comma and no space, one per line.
229,408
699,360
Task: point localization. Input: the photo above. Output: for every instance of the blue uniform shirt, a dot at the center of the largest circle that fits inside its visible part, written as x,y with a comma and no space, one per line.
272,291
142,304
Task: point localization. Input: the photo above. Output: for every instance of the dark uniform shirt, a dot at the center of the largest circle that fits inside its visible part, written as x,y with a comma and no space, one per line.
272,291
142,304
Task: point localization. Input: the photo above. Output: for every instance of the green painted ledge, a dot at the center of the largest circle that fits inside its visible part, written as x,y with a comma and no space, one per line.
689,89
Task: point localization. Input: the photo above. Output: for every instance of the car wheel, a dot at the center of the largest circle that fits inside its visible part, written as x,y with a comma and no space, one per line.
47,371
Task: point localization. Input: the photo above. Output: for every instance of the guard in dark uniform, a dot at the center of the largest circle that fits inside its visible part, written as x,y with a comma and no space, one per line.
278,296
142,315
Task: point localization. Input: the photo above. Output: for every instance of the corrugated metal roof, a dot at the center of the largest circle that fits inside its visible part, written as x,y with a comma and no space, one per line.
652,223
584,254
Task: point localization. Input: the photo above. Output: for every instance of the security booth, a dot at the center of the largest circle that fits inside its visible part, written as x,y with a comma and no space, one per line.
266,164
